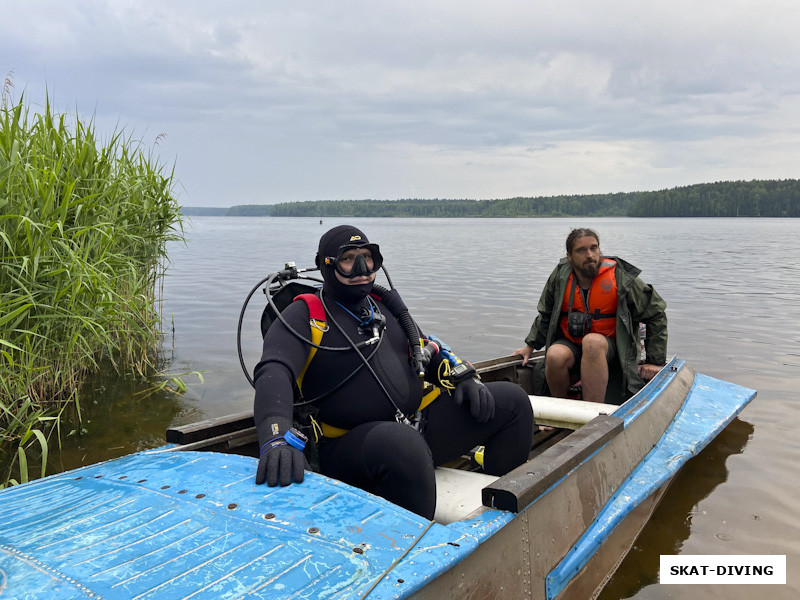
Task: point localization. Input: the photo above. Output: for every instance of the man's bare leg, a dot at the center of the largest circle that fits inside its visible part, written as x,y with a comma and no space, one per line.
558,362
594,368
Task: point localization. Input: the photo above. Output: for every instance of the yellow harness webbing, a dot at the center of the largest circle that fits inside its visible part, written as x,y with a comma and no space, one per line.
330,431
430,397
317,329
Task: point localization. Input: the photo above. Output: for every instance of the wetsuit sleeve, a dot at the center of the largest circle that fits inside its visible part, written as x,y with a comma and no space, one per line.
537,337
648,307
282,360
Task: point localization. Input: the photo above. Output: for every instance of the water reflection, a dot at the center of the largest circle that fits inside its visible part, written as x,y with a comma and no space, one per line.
119,415
671,523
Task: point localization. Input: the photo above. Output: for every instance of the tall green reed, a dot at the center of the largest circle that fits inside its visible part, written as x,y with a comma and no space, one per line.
84,225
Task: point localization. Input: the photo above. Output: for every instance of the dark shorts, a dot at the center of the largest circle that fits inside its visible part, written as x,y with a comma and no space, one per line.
577,350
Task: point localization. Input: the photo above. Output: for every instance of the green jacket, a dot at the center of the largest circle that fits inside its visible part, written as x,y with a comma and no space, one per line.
637,302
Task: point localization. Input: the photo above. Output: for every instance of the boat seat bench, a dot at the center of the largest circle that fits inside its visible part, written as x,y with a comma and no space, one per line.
565,412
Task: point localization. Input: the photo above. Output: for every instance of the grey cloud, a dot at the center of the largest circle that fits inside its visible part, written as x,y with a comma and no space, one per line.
309,99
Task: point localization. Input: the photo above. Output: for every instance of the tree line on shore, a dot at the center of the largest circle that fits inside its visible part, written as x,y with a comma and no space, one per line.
757,198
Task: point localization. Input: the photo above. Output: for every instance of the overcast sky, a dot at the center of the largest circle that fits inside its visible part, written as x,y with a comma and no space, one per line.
269,101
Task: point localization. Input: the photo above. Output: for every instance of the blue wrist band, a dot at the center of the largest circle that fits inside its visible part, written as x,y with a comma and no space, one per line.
293,440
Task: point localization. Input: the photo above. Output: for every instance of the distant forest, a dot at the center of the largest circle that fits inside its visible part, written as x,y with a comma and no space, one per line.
759,198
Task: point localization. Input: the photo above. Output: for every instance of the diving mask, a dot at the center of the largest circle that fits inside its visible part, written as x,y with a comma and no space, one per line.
360,267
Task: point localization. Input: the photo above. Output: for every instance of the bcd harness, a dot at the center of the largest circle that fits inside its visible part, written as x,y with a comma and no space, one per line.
319,325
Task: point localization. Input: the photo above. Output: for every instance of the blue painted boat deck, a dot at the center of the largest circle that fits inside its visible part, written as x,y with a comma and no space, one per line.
179,524
194,525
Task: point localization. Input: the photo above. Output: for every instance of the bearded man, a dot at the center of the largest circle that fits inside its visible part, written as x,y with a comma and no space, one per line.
588,322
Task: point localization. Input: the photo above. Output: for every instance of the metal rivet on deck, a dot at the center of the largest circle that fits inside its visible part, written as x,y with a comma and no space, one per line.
76,479
97,476
124,477
141,481
164,487
231,506
358,550
313,530
200,496
401,581
269,516
182,491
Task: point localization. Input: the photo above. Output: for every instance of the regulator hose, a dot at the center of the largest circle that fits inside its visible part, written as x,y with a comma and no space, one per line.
287,274
290,272
411,330
403,317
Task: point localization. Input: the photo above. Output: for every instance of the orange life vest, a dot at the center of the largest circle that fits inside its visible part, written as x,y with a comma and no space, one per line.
602,302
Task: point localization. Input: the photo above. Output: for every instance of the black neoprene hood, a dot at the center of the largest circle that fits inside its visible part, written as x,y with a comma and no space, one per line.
331,245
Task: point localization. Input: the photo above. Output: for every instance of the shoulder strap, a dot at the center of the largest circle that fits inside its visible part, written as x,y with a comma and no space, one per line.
315,308
572,294
318,326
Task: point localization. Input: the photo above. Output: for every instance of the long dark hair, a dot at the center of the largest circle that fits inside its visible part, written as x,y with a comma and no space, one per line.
579,233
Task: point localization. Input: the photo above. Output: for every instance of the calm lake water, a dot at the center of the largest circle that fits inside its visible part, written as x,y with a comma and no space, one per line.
732,291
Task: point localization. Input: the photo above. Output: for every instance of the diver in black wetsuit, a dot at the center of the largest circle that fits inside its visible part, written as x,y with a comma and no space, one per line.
365,408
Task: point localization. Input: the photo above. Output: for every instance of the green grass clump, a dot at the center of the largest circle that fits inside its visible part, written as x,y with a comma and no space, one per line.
83,231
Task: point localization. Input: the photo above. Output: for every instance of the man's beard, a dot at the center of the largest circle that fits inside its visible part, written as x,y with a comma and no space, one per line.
588,270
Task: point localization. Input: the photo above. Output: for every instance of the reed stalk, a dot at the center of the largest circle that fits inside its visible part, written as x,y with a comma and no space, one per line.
83,231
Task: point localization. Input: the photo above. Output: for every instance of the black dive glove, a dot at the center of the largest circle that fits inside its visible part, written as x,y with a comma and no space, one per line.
281,459
481,401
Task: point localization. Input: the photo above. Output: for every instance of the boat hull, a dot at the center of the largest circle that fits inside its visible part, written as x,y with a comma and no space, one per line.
177,523
580,506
